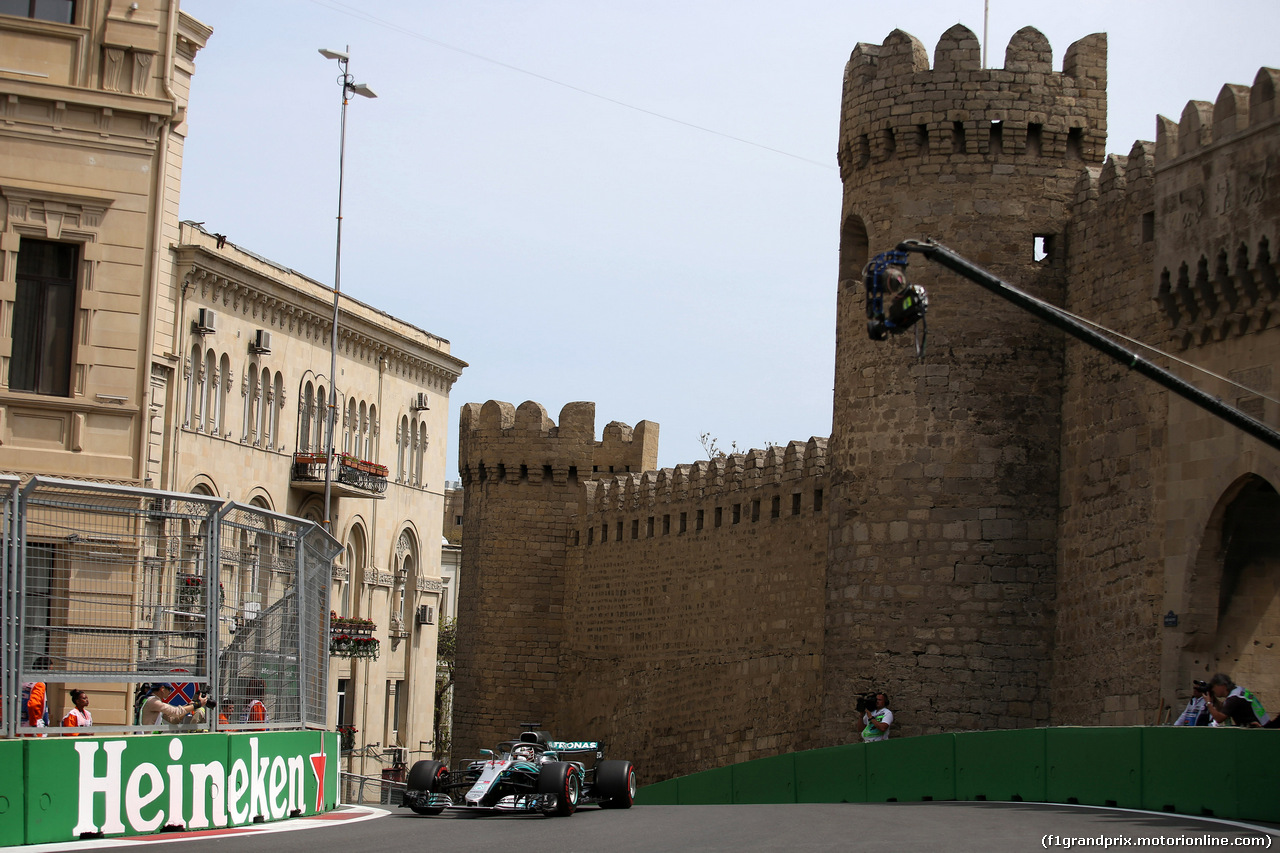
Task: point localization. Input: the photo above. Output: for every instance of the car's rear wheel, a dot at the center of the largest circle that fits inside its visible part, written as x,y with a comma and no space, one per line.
563,780
428,777
616,784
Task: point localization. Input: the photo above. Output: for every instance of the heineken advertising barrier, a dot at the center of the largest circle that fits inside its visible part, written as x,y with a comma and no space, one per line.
85,787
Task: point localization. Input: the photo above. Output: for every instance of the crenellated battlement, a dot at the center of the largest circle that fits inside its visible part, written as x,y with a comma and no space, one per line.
708,479
895,107
1113,183
498,442
1203,125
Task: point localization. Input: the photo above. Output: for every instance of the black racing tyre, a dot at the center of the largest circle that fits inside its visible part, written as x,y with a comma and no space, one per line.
427,776
562,779
616,784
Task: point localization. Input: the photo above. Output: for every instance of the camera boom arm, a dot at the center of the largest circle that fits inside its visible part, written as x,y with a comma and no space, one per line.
1059,319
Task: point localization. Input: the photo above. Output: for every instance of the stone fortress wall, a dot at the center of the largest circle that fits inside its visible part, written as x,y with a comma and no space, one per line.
948,466
994,533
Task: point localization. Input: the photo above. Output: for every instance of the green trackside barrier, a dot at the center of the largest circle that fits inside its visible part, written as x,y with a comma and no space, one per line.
12,797
665,793
140,784
1257,763
766,780
837,774
1189,772
706,788
1229,773
1097,766
911,769
1005,766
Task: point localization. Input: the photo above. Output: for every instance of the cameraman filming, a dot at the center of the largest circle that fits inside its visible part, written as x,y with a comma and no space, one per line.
876,716
157,707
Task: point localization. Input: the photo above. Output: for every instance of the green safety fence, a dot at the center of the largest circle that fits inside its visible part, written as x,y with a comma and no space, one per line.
1156,769
88,787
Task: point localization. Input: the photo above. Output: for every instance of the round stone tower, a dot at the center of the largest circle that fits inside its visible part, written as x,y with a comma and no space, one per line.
945,468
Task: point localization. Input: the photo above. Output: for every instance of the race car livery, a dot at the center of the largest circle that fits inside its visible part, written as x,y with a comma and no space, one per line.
532,774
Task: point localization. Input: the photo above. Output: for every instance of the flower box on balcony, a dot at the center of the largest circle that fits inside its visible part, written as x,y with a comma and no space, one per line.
347,646
352,626
364,465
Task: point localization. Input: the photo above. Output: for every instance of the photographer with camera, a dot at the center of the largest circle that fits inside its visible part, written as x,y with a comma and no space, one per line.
1197,711
157,707
1231,705
876,716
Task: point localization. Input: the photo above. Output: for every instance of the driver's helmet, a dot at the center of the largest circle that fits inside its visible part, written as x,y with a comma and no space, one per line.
524,752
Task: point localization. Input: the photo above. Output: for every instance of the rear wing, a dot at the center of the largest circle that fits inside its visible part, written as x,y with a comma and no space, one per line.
581,749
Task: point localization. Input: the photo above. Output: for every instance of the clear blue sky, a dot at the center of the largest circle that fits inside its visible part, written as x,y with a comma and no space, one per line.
593,245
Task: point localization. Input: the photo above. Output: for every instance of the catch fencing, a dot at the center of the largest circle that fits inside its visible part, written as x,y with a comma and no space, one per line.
119,587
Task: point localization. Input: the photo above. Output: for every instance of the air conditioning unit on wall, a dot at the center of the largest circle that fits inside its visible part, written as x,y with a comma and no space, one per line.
420,403
426,614
261,342
206,321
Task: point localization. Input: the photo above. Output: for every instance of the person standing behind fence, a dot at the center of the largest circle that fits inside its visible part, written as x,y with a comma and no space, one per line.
34,708
157,707
255,711
79,714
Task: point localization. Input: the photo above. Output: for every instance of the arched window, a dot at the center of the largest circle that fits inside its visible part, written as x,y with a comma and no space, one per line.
209,389
350,425
405,580
224,389
263,423
362,433
306,411
193,388
321,421
422,451
402,450
356,554
276,405
251,404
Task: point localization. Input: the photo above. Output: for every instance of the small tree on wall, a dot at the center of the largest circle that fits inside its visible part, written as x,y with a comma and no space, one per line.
446,654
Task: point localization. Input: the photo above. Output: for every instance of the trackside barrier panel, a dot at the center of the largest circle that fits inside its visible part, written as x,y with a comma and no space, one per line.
837,774
1152,768
12,796
1095,766
911,769
665,793
706,788
1176,765
1005,766
767,780
1257,763
138,785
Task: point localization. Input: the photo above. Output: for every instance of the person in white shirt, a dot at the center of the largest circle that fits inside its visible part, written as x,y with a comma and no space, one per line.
876,721
157,707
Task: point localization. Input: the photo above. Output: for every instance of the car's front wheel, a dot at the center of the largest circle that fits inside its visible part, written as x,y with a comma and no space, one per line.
428,777
562,780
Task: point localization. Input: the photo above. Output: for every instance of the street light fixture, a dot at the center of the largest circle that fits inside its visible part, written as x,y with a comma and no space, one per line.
349,87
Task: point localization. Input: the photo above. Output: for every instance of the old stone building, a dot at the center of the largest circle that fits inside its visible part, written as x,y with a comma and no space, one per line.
249,395
1010,531
141,351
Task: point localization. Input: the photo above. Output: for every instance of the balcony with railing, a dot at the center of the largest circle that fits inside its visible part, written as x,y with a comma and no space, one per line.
352,477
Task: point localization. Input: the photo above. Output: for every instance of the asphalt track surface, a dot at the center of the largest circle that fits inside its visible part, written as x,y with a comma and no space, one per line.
880,827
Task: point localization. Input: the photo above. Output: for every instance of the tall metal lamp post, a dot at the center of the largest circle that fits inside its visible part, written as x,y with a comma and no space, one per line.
349,87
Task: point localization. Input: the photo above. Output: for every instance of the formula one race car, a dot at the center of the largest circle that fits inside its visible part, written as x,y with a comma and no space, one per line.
532,774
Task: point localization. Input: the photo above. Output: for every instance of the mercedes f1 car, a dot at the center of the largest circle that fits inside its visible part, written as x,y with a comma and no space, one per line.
533,774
